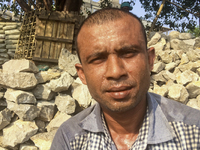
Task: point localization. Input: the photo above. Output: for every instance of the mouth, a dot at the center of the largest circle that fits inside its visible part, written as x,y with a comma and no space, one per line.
119,92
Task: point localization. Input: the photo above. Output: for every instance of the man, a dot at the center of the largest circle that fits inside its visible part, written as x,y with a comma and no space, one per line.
116,66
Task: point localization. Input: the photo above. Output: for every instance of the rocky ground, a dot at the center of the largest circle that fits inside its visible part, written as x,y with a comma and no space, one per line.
34,103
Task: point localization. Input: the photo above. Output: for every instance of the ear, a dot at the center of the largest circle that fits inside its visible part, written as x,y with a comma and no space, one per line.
80,73
151,57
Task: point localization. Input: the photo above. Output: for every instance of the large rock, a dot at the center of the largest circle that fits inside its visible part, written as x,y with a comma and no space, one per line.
193,103
193,55
190,43
48,75
47,110
62,83
159,66
41,125
81,93
168,75
18,132
24,111
174,35
43,140
197,43
158,77
154,39
178,45
186,77
166,57
42,92
184,59
170,66
158,47
67,61
21,65
20,80
196,65
5,118
27,147
20,97
163,90
65,103
193,89
178,92
186,36
188,66
57,121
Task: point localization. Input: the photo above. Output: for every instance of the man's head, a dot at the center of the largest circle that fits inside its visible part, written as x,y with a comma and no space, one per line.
116,64
105,15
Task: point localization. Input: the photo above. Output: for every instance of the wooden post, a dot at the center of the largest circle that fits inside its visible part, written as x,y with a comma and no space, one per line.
156,18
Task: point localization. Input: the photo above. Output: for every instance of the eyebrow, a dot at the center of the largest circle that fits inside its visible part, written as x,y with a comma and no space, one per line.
118,50
128,47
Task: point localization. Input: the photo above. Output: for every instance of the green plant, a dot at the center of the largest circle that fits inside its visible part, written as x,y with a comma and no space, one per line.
195,31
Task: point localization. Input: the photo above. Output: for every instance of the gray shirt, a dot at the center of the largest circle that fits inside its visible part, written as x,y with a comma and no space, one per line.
169,125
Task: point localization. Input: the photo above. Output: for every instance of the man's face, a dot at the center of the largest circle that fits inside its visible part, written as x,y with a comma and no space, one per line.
115,63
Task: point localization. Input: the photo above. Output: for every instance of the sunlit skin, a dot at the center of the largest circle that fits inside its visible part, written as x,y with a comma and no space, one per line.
116,68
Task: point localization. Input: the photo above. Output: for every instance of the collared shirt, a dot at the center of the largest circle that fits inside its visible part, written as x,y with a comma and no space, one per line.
168,125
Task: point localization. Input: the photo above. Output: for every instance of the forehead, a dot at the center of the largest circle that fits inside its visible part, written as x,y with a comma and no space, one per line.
123,29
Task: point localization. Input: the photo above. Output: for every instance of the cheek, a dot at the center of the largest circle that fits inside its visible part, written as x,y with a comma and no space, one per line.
94,76
137,68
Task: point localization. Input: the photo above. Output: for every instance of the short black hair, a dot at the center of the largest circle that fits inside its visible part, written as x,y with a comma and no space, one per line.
104,16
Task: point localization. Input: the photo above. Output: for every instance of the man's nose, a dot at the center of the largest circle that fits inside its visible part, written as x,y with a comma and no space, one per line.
115,68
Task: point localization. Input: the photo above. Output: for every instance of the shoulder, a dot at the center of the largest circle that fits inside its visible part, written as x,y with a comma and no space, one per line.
69,129
176,111
72,124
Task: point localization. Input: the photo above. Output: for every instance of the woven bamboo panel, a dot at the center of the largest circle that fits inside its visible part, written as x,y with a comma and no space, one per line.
26,42
54,31
43,35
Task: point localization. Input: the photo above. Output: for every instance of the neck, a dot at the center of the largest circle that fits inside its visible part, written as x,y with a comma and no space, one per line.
128,122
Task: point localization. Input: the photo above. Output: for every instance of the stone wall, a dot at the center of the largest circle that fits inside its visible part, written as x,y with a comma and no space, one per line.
33,103
177,67
9,34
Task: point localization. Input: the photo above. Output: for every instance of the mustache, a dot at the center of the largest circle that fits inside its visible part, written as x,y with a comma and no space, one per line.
118,84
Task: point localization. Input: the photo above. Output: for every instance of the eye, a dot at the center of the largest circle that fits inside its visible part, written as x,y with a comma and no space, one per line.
129,53
97,60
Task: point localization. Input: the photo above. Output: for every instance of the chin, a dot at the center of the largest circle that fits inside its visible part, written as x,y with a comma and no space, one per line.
121,106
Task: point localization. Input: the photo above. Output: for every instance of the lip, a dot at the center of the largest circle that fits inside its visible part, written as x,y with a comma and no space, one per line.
119,93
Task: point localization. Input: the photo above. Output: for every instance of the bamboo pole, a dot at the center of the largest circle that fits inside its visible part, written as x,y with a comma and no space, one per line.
156,18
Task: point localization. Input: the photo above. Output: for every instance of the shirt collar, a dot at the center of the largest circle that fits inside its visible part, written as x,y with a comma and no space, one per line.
159,127
93,121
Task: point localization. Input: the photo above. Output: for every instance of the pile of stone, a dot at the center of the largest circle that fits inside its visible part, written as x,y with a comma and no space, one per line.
9,34
177,67
33,103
